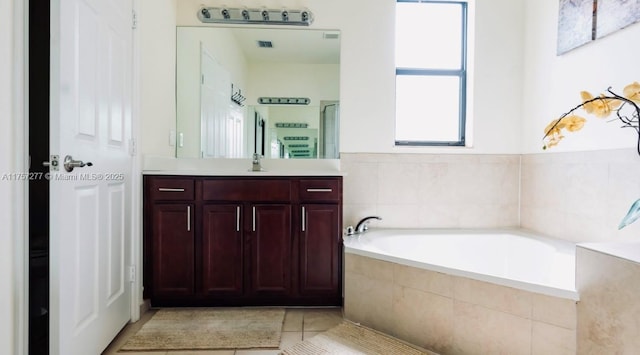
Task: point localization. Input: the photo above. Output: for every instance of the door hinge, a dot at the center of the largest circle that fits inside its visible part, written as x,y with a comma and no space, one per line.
132,273
134,20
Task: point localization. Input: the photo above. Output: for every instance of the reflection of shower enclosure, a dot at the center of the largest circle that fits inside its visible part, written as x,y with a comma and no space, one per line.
258,134
329,134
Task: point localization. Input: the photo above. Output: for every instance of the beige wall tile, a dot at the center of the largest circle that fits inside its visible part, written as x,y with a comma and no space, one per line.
353,213
424,280
398,183
609,307
480,330
493,296
432,190
580,196
369,301
424,319
553,310
400,215
360,184
369,267
549,339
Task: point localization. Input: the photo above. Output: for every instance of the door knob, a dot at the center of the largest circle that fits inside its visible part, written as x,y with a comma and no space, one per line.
69,163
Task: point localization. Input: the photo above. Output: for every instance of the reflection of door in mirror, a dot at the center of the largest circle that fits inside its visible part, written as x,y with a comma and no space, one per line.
221,133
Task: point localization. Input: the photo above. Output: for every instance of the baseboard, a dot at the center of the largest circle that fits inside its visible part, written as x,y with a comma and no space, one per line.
145,306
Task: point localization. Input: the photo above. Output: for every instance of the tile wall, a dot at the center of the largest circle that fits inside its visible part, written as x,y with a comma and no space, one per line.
432,190
580,196
609,308
456,315
577,196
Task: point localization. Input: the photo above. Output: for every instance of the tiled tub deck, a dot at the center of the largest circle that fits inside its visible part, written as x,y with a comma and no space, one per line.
453,314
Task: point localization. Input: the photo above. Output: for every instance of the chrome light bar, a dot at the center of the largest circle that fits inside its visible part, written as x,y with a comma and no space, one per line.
255,16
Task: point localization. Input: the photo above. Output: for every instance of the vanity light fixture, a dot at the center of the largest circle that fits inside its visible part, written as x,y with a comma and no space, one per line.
284,100
291,125
255,16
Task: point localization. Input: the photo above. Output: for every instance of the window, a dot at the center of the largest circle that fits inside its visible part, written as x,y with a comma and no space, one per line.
431,40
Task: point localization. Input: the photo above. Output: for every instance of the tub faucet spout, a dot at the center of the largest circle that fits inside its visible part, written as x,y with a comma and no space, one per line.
363,225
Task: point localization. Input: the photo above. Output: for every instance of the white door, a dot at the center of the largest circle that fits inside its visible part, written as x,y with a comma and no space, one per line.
90,235
215,97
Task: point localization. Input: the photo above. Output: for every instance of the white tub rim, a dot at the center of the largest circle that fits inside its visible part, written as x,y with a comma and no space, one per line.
351,247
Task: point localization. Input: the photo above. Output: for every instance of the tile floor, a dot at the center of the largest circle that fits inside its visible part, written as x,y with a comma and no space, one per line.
299,324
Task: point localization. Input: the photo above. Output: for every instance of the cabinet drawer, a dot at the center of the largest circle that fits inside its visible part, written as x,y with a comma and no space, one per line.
320,190
246,190
171,189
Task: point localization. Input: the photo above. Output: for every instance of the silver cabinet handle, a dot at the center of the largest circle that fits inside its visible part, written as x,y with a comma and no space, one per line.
319,190
188,218
254,219
237,218
169,189
304,220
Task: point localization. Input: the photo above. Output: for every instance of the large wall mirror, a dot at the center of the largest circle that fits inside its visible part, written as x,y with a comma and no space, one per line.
222,72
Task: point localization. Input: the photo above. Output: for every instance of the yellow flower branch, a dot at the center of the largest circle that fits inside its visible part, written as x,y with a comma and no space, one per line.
601,107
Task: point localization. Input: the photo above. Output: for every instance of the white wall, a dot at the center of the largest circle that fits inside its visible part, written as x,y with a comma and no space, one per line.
553,83
6,158
157,38
367,77
318,82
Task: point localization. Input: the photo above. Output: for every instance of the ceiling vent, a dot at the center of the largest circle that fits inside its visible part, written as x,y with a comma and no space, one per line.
331,35
265,44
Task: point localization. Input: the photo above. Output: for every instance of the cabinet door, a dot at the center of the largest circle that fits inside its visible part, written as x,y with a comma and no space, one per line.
271,249
320,252
173,247
222,250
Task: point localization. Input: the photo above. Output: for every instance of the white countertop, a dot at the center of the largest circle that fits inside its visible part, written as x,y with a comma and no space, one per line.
240,167
625,250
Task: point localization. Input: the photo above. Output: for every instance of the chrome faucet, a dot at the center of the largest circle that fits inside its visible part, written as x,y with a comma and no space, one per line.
255,164
363,225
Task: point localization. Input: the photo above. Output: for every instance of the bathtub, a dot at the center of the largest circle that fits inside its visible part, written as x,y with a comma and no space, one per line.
462,291
512,258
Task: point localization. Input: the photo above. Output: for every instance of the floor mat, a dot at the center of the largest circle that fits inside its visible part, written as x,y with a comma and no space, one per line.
206,328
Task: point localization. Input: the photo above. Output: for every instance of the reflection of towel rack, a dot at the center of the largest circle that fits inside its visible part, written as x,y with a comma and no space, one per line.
237,96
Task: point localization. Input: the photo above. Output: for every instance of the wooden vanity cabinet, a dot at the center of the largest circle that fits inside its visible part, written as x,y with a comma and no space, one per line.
320,247
264,220
271,251
171,245
253,241
222,250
